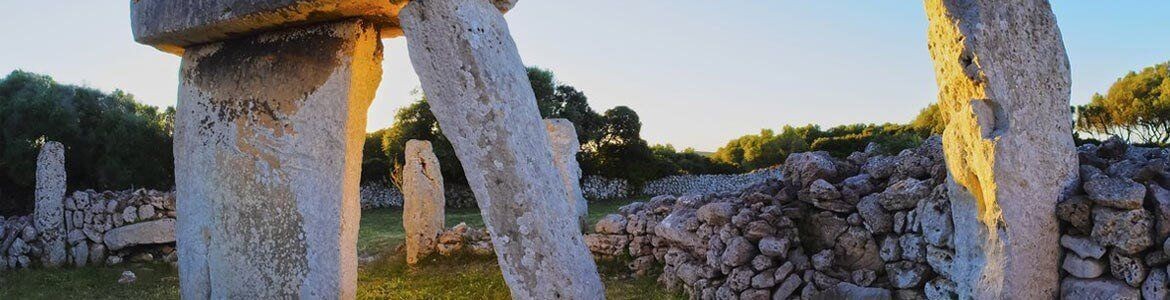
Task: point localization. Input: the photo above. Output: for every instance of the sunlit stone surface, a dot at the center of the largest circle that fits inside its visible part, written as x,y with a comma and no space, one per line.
423,200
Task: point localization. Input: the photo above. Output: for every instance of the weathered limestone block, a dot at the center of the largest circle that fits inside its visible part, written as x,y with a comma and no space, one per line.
268,147
565,146
174,25
145,233
423,200
1003,77
50,205
479,91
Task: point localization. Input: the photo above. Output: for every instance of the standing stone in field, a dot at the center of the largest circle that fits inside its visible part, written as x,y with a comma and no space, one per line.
479,91
423,200
563,138
1003,77
268,150
50,205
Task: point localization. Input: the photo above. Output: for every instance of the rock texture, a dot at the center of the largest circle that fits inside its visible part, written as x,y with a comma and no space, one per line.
423,208
565,146
1004,82
151,232
480,94
773,240
50,205
268,147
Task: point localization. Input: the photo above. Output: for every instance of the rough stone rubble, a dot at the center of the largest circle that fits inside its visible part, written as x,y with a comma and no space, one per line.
869,226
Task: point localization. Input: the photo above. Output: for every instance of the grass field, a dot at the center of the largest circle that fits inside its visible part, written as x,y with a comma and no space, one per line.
385,277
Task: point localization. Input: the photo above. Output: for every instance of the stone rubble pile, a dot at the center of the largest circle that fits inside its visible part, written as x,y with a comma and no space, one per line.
708,184
464,238
1115,227
870,226
101,228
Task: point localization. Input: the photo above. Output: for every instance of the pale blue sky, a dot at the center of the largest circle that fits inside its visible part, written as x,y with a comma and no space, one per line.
698,72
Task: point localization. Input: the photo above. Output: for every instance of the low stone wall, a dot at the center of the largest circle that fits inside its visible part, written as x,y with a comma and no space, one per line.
601,188
709,184
379,195
102,228
866,227
1115,227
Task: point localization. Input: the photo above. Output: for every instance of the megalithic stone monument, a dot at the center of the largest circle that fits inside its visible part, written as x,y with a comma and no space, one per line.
50,205
268,139
423,200
480,94
1003,79
562,136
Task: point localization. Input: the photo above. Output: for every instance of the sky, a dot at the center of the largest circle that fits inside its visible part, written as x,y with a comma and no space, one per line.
699,73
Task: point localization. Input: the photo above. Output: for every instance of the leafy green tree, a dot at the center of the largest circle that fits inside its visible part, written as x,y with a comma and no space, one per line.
1136,107
930,120
111,141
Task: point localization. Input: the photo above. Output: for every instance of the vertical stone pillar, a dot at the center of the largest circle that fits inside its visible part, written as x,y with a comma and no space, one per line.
268,148
1003,78
562,136
479,91
423,200
50,205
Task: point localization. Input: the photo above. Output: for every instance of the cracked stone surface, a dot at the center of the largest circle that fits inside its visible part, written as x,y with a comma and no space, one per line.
50,204
1003,78
423,200
268,147
479,92
565,146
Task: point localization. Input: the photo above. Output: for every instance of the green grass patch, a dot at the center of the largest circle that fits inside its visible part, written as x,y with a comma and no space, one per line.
385,277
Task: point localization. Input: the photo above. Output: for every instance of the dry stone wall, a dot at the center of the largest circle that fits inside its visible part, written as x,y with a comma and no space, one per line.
102,228
384,195
1115,226
708,184
869,226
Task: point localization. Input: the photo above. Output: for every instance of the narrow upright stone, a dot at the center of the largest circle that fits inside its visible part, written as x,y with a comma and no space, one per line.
1003,78
50,206
563,138
479,92
268,150
423,200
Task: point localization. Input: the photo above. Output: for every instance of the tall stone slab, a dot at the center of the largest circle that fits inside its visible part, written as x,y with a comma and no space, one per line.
423,200
1003,78
562,136
268,148
50,206
479,91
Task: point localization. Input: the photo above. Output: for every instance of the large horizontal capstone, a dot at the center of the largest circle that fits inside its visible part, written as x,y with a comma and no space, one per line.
171,25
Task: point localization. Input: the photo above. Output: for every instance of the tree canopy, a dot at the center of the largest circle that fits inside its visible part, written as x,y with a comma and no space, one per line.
111,141
611,143
1136,108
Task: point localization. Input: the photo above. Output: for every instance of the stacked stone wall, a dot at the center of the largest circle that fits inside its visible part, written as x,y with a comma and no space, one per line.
102,228
869,226
1114,228
383,195
708,184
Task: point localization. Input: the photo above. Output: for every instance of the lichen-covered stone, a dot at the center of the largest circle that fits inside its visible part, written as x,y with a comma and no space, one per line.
1004,84
479,92
423,200
1128,231
1083,267
562,137
267,187
50,205
1116,192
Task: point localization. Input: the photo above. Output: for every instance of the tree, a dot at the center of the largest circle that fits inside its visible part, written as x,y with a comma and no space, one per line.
1136,108
111,141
